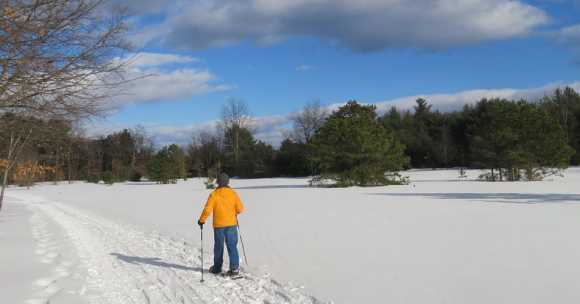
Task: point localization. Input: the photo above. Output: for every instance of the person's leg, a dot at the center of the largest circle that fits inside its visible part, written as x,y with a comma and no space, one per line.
218,248
231,234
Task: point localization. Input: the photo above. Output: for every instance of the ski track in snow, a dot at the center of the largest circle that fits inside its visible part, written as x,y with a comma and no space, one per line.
55,249
126,265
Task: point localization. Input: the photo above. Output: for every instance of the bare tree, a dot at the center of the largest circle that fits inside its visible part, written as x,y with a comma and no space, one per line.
204,153
143,151
235,116
235,113
58,60
57,56
17,133
308,121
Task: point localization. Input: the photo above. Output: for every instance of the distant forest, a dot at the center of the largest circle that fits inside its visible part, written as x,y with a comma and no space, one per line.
354,145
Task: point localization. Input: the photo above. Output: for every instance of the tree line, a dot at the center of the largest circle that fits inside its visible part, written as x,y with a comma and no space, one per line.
353,145
501,135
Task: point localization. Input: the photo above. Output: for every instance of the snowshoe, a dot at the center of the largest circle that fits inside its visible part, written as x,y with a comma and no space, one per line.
234,274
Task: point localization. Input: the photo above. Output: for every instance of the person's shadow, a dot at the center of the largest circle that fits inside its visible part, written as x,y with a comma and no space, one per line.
152,261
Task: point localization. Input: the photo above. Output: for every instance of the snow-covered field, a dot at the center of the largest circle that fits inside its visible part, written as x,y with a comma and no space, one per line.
438,240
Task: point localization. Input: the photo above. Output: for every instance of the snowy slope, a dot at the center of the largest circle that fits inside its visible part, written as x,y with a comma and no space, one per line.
438,240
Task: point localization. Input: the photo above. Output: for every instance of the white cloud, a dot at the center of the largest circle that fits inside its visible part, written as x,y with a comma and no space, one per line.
269,129
160,134
273,129
142,60
164,77
364,25
155,85
455,101
569,36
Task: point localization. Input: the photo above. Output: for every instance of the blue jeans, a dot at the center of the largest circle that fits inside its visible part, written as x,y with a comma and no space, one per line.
229,235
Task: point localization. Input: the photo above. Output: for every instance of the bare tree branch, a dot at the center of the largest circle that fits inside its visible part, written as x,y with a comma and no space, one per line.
57,57
308,121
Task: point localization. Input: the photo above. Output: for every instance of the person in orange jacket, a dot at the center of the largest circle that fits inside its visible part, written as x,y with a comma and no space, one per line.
225,205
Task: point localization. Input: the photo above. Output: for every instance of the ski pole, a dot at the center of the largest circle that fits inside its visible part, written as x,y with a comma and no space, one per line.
242,240
201,231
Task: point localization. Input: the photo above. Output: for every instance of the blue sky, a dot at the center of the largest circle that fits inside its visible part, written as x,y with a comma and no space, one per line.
278,55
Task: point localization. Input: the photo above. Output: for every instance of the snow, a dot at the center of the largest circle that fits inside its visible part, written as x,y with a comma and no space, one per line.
17,246
440,239
38,261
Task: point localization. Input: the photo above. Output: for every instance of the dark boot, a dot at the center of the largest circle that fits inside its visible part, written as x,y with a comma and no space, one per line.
214,270
233,272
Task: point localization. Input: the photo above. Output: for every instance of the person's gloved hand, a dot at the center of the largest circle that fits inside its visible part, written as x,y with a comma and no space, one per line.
200,224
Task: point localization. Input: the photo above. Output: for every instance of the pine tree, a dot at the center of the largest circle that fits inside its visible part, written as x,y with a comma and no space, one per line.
238,143
543,142
355,149
492,135
254,158
564,106
167,166
509,137
292,159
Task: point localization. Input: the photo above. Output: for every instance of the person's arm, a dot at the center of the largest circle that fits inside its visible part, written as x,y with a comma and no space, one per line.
239,205
207,210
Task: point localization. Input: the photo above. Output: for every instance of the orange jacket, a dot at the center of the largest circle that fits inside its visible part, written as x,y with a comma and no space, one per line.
225,205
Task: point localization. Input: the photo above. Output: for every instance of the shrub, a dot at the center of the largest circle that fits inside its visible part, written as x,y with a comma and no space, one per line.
109,178
136,176
93,178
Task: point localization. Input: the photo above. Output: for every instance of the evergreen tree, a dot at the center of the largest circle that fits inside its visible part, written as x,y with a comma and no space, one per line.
167,166
159,168
238,144
564,106
392,120
425,134
458,124
494,135
292,159
355,149
254,158
263,159
544,143
508,137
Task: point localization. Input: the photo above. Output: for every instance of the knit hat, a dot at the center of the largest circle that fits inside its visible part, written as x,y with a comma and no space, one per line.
223,180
